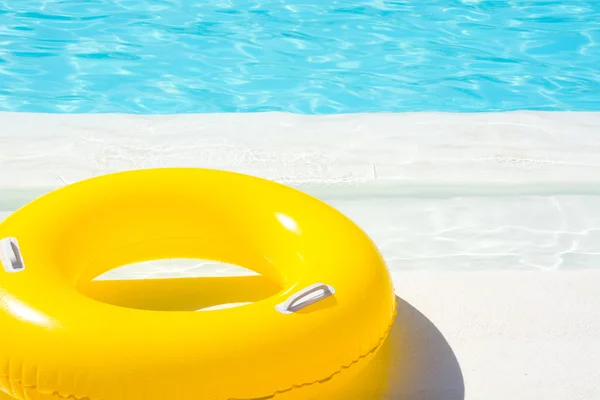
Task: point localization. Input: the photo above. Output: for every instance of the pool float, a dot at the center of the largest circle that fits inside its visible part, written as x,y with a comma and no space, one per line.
66,335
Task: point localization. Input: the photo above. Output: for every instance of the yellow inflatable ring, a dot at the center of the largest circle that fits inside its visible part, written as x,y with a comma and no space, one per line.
333,307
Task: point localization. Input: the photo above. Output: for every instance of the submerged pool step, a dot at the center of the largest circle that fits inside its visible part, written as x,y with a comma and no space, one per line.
482,232
476,232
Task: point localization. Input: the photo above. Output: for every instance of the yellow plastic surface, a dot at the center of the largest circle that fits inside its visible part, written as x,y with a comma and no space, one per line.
64,335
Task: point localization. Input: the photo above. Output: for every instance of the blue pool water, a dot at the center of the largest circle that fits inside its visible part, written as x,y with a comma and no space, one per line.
302,56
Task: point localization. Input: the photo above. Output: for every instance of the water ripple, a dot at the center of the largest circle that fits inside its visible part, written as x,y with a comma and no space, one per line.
302,56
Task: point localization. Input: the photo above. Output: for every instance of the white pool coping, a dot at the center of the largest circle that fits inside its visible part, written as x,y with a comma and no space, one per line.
381,150
527,331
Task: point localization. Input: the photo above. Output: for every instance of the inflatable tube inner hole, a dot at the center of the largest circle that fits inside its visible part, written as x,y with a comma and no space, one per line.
180,284
176,268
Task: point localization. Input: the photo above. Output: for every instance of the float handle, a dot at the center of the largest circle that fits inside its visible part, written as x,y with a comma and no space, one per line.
301,299
10,255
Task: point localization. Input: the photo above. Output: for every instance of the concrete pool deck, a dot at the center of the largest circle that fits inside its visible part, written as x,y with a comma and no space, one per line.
490,224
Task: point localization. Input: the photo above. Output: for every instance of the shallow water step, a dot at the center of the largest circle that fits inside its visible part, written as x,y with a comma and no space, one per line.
479,233
449,232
